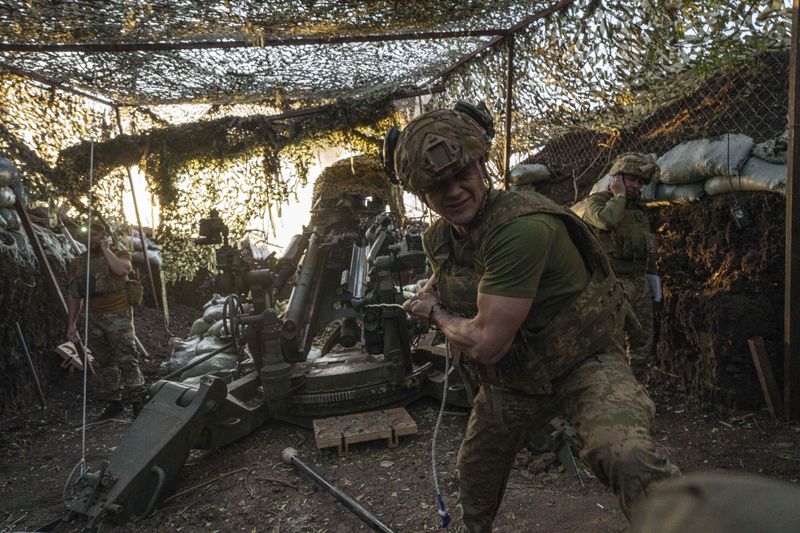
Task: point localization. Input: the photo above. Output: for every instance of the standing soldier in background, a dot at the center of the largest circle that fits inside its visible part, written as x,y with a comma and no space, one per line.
624,229
532,311
111,333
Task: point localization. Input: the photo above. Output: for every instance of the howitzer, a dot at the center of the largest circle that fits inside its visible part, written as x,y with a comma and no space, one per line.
349,265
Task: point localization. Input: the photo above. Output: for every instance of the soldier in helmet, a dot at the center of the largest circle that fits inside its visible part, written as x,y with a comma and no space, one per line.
624,229
111,333
533,313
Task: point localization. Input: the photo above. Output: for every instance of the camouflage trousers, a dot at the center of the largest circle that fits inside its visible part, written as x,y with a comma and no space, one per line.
639,341
111,340
611,412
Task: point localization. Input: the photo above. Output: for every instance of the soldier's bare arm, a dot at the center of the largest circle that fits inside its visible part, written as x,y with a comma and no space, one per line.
118,265
485,338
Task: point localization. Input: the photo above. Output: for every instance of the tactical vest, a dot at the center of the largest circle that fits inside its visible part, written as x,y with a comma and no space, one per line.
101,279
631,244
590,325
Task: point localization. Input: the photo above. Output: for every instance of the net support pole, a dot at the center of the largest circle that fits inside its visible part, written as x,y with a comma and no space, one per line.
791,315
509,104
139,224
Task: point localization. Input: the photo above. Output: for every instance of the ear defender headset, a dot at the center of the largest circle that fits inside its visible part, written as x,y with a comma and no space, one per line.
479,113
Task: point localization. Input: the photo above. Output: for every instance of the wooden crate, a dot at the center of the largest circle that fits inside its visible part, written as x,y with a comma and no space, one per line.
342,431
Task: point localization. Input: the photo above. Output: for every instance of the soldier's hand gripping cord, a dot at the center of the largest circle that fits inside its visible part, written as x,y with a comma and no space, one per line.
421,306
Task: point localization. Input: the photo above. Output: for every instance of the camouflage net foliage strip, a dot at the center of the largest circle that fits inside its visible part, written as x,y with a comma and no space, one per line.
231,162
597,66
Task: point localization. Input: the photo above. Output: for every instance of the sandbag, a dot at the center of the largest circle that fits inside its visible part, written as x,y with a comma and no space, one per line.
215,330
213,313
697,160
602,184
223,361
756,175
648,192
11,218
209,344
199,328
527,174
8,172
678,194
774,150
215,300
154,256
137,243
7,196
182,352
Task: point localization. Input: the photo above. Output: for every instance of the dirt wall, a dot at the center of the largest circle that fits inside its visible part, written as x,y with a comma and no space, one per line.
25,298
722,286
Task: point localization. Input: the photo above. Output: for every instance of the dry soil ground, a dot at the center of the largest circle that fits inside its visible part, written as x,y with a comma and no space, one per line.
246,487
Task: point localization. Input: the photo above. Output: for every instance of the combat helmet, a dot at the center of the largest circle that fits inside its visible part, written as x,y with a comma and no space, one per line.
437,145
636,164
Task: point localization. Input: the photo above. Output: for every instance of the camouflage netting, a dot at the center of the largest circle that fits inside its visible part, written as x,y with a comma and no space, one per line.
360,175
588,68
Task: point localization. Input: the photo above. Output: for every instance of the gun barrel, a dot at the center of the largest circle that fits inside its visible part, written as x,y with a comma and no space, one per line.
357,280
297,310
287,264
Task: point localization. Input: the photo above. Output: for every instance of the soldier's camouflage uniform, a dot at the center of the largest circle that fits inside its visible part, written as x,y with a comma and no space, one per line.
719,502
576,366
624,229
111,334
111,339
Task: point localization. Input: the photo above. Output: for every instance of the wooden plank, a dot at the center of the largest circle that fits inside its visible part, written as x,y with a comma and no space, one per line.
791,312
769,386
342,431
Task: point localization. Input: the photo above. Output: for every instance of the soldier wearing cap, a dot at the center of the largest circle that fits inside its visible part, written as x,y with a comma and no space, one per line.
624,229
533,314
111,332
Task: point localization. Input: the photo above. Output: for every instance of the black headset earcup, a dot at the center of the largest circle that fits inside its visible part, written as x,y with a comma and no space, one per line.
479,114
387,153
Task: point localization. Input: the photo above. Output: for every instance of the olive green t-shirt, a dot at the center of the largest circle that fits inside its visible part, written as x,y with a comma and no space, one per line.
532,257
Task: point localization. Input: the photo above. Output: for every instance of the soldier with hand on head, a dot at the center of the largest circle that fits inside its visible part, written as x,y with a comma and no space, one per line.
622,225
532,311
101,275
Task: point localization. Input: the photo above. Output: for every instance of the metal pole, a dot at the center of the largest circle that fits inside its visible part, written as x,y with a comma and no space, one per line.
289,456
509,103
30,365
791,313
139,223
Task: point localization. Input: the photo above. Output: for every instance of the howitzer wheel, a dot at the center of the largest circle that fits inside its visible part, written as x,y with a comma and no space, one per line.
232,309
